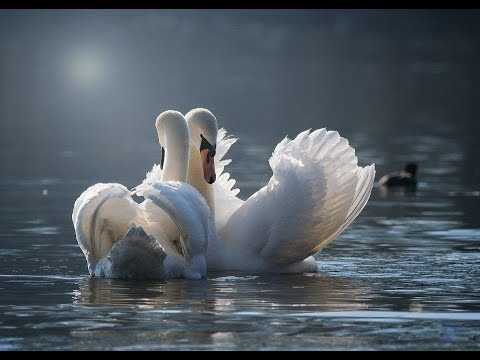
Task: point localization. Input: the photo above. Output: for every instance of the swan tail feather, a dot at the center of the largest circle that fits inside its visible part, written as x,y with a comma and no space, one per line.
137,255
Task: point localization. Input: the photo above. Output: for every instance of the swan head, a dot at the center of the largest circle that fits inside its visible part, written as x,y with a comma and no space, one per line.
411,168
167,117
203,129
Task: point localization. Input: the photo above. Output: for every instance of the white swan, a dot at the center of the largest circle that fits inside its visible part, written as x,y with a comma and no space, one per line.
172,234
315,192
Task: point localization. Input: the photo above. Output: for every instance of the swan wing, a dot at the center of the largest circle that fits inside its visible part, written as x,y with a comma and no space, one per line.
316,190
226,200
366,176
101,217
187,209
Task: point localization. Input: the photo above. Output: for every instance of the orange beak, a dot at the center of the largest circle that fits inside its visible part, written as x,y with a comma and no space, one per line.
208,165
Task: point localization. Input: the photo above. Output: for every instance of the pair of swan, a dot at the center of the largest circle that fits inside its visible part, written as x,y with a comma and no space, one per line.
165,236
192,220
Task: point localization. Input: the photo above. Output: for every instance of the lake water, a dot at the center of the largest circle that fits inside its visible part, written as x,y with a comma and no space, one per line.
403,276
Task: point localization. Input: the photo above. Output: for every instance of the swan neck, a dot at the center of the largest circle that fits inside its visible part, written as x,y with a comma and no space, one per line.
196,179
175,137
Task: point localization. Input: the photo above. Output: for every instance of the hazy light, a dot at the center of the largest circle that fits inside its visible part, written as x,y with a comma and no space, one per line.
86,67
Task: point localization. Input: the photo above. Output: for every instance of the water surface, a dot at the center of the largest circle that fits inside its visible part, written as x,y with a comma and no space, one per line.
403,276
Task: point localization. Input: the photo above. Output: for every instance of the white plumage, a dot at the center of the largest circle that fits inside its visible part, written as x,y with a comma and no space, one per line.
316,191
165,236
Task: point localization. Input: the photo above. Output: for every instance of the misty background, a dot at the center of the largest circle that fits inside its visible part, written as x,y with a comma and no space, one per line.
80,89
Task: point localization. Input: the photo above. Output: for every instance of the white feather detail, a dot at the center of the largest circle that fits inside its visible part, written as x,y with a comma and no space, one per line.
315,192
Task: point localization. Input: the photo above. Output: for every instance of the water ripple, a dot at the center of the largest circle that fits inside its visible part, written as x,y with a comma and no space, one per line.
41,230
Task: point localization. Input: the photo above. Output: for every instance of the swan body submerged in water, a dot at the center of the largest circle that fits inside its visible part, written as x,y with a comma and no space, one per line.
316,191
165,236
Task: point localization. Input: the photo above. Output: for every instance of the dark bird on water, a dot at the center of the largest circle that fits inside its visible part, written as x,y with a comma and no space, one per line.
406,177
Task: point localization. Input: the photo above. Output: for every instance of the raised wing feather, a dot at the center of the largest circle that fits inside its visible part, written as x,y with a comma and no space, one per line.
226,200
316,190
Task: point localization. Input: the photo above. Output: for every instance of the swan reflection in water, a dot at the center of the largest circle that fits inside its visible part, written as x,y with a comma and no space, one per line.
224,292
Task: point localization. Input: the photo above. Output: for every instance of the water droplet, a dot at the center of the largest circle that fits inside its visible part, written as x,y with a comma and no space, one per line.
45,192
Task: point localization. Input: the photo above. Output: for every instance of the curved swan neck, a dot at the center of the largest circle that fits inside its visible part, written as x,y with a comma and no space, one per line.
173,136
201,124
195,178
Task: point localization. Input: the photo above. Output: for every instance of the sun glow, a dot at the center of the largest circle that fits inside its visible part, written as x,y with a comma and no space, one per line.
87,67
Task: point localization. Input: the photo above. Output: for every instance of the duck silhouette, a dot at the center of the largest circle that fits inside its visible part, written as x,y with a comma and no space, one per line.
406,177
